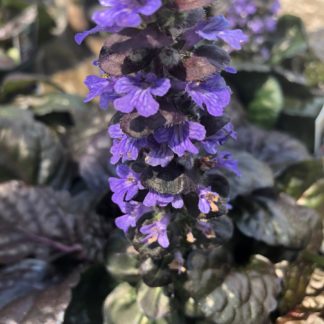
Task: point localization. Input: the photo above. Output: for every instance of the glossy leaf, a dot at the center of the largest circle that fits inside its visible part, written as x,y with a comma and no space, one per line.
207,270
31,152
300,176
276,149
290,39
264,109
38,221
33,294
296,274
121,258
277,222
121,307
254,175
85,131
21,278
153,301
245,296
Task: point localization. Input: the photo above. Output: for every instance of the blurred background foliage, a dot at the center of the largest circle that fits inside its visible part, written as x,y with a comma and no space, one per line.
61,259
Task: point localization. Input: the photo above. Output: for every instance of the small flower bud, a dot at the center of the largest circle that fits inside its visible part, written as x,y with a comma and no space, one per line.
169,57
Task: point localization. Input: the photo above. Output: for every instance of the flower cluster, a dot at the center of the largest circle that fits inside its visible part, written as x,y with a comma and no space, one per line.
164,80
257,18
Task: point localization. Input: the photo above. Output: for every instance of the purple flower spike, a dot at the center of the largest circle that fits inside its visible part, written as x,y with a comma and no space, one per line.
207,200
157,232
154,198
124,13
211,143
103,87
159,154
225,160
137,92
212,94
178,137
218,28
133,211
124,147
126,186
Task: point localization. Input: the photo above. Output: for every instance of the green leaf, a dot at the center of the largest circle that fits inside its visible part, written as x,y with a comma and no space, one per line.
15,84
153,301
121,307
295,277
289,40
315,73
276,222
84,130
18,36
313,197
86,133
245,296
299,177
31,152
264,109
206,270
122,259
295,274
154,273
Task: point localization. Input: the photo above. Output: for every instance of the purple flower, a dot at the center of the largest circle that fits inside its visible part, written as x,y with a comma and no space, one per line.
275,7
133,211
206,228
154,198
211,93
159,154
178,137
137,92
178,263
103,87
225,160
215,28
211,143
118,15
157,232
258,18
218,28
124,147
80,37
126,186
207,200
124,13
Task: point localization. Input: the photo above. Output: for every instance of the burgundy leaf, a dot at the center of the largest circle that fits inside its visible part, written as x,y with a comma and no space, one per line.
41,222
34,294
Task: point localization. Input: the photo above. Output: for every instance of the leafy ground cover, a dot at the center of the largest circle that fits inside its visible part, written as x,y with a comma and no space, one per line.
61,257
